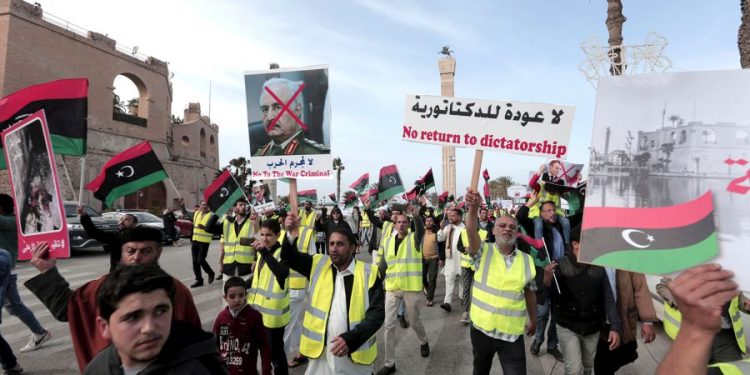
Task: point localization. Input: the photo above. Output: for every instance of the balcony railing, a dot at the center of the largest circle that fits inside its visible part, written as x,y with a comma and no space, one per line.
130,119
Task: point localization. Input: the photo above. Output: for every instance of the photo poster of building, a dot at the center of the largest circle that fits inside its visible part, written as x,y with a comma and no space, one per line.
39,211
670,173
289,123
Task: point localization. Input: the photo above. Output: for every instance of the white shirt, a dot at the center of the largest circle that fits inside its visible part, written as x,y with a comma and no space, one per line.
338,317
452,256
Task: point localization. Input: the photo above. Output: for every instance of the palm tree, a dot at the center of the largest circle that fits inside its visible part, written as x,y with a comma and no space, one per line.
132,106
667,149
674,119
614,22
743,35
240,170
338,166
117,105
499,186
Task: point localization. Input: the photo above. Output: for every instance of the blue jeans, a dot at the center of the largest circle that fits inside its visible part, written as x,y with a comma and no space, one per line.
542,315
7,359
15,307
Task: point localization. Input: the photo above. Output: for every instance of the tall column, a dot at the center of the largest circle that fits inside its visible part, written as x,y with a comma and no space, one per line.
447,66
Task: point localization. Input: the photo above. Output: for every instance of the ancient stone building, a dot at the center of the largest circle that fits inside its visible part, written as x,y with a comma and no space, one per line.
36,49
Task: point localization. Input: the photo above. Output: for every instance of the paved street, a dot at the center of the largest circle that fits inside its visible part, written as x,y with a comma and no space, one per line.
449,339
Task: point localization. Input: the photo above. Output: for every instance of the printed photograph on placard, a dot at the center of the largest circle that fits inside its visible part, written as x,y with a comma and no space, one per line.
670,173
289,115
33,182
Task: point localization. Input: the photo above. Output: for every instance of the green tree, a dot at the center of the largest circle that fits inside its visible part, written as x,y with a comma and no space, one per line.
499,187
132,106
338,166
241,171
117,104
176,119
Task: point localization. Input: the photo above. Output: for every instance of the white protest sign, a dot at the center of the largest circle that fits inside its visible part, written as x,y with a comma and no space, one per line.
517,191
508,126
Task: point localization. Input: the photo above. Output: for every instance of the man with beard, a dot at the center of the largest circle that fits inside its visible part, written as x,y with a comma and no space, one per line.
502,295
345,310
112,241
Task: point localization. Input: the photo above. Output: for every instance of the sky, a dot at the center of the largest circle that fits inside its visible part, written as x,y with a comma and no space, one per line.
379,51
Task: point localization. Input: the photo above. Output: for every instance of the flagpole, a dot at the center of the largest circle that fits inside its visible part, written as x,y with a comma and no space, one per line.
171,183
83,175
478,154
293,195
242,188
557,284
67,177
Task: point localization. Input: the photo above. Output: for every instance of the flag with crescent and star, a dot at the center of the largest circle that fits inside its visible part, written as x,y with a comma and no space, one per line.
222,193
654,240
389,184
65,104
127,172
350,199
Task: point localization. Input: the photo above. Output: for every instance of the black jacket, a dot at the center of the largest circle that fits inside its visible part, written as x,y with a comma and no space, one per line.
112,241
528,225
585,301
375,314
188,351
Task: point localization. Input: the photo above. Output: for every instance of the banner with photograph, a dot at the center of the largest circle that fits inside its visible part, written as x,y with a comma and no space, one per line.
289,116
39,210
670,173
562,173
507,126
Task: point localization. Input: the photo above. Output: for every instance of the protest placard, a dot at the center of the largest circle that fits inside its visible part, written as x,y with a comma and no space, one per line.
39,211
517,191
670,173
507,126
289,118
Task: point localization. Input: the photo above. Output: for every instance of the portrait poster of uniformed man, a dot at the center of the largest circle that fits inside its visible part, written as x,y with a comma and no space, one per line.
38,205
289,123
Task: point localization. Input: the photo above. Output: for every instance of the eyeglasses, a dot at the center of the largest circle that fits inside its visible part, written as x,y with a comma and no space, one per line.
512,227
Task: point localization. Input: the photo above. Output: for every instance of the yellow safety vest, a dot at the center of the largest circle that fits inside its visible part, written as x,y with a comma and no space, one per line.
385,232
498,303
307,220
673,319
365,223
233,250
404,270
266,296
741,367
465,257
200,235
544,196
312,341
296,280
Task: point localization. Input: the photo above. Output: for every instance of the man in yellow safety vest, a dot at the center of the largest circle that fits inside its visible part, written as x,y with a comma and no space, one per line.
201,240
503,295
236,253
345,309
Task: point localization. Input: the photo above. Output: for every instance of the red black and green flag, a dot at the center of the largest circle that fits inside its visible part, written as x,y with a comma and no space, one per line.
361,184
350,199
427,181
332,196
442,199
389,184
650,240
127,172
307,196
413,193
371,193
222,193
65,104
486,177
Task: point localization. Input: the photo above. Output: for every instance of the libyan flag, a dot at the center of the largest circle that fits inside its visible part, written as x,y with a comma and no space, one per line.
222,193
350,199
650,240
307,196
426,182
361,184
65,104
389,184
127,172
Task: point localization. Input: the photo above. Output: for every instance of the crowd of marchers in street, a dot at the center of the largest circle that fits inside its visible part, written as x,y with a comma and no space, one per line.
295,293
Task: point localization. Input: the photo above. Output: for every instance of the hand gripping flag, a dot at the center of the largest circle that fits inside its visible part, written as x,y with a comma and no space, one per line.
307,196
650,240
222,193
361,184
65,104
127,172
390,183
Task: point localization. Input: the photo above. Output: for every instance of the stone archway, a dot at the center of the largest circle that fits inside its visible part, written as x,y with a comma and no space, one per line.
152,198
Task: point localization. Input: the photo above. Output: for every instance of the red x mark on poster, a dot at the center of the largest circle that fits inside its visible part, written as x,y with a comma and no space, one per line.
285,108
